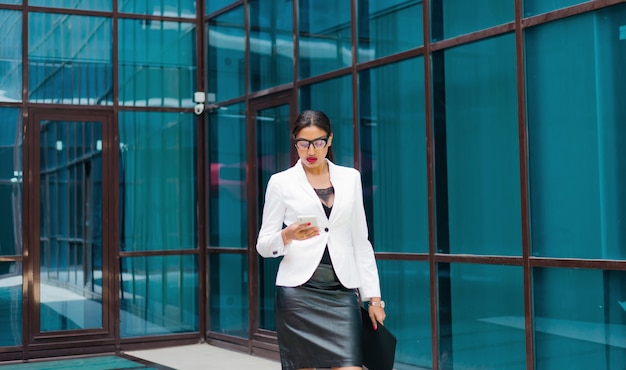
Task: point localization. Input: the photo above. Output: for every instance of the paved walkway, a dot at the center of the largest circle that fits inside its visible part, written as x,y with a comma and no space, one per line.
204,356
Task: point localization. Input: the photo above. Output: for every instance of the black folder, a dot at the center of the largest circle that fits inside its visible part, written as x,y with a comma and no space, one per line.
379,346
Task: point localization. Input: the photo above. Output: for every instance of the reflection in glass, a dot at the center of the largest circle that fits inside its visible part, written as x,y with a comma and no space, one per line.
158,295
158,191
10,182
405,286
576,141
338,107
78,73
213,5
580,320
71,225
481,313
534,7
324,42
226,55
476,124
395,185
228,300
167,8
388,26
157,63
102,5
10,304
228,205
273,148
10,56
450,18
271,44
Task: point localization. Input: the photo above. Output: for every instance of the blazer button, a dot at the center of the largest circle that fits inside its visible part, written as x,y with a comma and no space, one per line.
326,229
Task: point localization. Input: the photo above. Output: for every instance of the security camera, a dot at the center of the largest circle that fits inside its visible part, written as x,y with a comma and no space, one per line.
198,109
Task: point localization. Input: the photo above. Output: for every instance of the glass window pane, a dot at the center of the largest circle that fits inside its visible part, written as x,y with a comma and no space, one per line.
481,308
166,8
158,181
324,42
476,124
71,254
10,56
338,107
226,55
157,63
576,132
395,184
10,304
103,5
213,5
78,73
405,287
17,1
159,295
228,300
388,26
534,7
271,44
228,205
450,18
10,182
273,149
579,319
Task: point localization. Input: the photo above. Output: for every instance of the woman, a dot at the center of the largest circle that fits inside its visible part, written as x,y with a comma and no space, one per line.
325,267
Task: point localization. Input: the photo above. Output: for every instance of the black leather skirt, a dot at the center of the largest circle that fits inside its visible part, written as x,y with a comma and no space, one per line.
318,323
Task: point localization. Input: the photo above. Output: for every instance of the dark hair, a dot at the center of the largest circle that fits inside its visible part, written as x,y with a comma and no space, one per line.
308,118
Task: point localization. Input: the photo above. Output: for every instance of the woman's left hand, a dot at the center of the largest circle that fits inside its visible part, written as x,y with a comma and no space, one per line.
377,315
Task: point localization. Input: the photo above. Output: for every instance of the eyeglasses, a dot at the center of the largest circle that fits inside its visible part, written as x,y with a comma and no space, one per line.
304,144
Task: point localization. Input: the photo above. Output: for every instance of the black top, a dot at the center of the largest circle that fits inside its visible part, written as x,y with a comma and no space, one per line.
324,195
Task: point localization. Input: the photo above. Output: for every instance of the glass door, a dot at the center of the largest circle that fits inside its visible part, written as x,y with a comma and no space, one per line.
271,120
70,259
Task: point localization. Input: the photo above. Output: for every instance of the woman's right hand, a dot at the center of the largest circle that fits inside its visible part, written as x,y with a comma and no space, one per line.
297,231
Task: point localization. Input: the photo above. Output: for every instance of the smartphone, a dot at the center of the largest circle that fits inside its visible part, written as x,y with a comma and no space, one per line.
303,220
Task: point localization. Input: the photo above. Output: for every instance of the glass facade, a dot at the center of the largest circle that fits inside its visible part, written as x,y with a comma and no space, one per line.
487,137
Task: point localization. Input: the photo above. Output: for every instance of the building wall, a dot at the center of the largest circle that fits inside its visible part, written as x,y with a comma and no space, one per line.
487,135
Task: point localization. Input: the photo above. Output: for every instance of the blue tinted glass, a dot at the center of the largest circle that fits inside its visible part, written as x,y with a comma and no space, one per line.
10,182
167,8
324,36
391,101
103,5
481,142
534,7
157,63
213,5
405,286
10,304
481,313
10,1
10,56
338,107
228,289
450,18
228,206
158,181
271,44
80,72
387,27
576,150
579,320
226,55
71,203
158,295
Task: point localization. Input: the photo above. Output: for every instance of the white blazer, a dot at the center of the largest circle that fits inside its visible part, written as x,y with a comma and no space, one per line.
289,195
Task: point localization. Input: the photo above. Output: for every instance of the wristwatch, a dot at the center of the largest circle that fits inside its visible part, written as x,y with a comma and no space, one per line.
380,304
